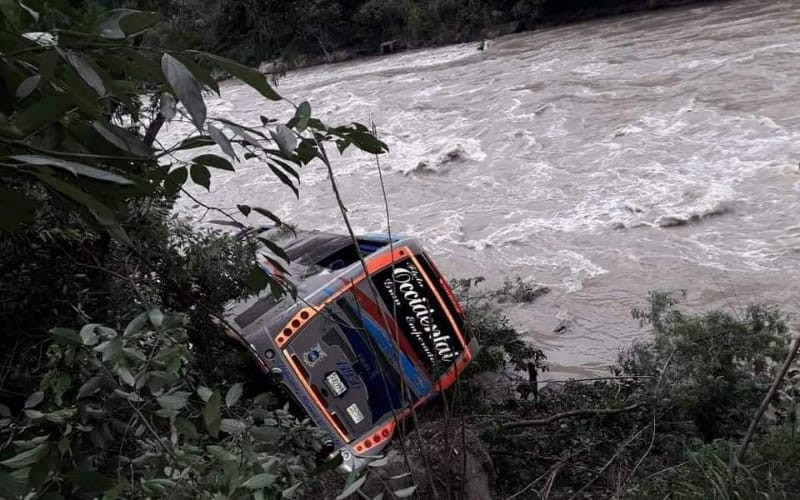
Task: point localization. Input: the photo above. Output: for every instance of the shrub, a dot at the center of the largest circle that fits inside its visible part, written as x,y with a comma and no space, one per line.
716,367
129,414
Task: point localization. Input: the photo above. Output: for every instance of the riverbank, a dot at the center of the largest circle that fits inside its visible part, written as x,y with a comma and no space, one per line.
546,15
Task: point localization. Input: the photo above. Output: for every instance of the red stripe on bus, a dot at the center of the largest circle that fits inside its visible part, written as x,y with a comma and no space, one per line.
373,310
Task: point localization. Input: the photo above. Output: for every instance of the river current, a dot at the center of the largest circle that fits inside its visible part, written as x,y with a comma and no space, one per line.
603,159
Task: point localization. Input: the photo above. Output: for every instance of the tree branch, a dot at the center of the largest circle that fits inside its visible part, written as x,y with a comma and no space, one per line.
567,414
737,458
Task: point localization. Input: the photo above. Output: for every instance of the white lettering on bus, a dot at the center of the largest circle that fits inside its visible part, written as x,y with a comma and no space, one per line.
423,316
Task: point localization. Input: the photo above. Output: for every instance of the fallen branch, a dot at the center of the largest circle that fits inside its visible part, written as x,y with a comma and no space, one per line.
737,458
567,414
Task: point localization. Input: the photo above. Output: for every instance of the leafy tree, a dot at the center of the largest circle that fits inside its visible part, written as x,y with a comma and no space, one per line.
88,239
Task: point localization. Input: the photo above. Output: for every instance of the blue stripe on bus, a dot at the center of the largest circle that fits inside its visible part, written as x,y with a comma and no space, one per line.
418,382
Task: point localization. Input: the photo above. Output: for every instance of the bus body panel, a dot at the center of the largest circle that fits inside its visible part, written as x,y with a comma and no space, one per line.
358,354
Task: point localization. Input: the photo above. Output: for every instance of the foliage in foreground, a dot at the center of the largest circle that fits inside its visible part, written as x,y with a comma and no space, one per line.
88,239
129,415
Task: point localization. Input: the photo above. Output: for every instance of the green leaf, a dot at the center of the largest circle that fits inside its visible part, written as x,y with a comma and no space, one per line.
286,167
111,349
248,75
214,161
186,88
271,216
302,115
211,415
88,335
204,393
89,387
136,324
42,112
34,399
285,139
260,481
222,141
123,23
241,132
221,453
201,73
60,416
198,141
176,179
125,375
245,209
270,435
186,427
89,480
174,401
352,488
72,167
167,413
85,70
232,426
285,180
274,248
405,492
257,279
306,151
34,414
27,457
66,336
121,138
156,317
27,86
233,395
201,175
367,142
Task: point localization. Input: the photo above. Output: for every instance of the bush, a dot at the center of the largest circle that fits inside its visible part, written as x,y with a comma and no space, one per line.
129,414
716,366
671,413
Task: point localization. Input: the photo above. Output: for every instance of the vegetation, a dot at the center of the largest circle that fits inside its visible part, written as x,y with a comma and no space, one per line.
116,380
305,31
664,423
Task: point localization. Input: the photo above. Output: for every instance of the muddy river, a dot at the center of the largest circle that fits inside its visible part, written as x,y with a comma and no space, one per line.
603,159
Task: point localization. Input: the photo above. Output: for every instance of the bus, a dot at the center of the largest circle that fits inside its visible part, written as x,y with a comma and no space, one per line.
359,351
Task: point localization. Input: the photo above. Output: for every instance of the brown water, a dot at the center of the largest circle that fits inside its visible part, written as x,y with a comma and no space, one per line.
567,155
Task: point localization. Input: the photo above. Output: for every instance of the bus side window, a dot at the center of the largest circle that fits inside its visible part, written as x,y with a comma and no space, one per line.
349,254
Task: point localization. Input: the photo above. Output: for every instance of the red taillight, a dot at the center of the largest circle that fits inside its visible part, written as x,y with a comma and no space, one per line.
294,326
380,436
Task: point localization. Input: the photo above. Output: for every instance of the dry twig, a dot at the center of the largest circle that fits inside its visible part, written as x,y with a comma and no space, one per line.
567,414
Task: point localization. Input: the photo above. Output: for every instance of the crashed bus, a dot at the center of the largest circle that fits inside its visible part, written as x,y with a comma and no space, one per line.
358,354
